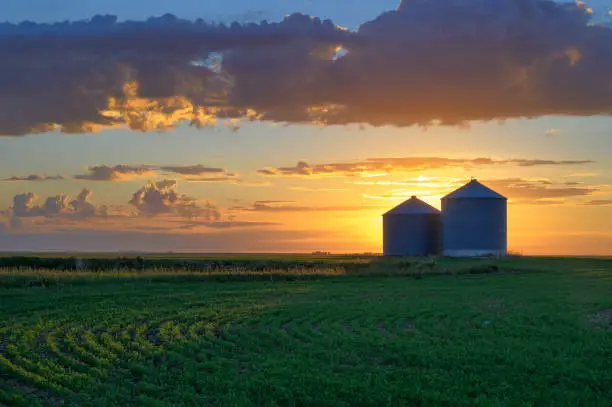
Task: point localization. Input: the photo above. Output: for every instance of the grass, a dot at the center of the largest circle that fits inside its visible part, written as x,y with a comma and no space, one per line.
514,332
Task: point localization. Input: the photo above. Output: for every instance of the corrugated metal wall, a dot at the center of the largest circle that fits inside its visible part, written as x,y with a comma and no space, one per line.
411,234
474,227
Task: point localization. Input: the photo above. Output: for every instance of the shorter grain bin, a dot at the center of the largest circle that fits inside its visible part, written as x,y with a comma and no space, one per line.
411,229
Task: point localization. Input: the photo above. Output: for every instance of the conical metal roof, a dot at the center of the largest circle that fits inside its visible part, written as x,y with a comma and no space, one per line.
413,206
472,190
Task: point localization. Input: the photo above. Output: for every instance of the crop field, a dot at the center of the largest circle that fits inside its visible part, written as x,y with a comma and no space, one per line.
515,332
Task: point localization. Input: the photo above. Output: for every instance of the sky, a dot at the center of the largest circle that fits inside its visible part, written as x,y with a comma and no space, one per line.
156,132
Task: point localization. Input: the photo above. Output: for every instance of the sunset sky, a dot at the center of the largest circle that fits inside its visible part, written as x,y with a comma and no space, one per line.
168,135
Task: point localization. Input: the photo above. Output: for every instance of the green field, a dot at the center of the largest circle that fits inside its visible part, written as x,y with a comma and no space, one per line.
516,332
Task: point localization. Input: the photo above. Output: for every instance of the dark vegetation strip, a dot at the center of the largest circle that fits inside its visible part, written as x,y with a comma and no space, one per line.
140,263
16,272
21,272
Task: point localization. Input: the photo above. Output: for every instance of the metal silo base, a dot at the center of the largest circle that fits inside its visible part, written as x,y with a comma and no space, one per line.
474,253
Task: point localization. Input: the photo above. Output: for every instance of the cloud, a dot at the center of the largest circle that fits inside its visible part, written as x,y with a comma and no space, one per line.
446,62
584,175
33,177
552,132
536,191
532,163
157,198
123,172
306,189
229,224
193,170
156,206
57,207
599,202
420,182
213,179
382,166
517,190
291,206
201,173
274,171
455,61
83,208
145,76
119,172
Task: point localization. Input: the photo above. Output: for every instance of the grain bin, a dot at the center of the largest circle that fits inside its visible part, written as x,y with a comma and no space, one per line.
474,220
411,229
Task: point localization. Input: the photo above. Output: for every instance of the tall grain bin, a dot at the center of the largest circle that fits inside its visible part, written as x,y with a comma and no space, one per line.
474,220
411,229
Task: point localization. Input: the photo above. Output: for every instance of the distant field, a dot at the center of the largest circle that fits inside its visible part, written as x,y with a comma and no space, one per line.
192,256
515,332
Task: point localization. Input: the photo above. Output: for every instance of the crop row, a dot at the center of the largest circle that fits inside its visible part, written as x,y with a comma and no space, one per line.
110,362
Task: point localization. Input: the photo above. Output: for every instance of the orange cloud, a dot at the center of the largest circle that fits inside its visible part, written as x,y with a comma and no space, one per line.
517,190
291,206
537,191
599,202
381,166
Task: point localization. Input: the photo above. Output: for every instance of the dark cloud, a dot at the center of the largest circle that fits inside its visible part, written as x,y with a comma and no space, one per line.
123,172
193,169
271,171
388,165
33,177
104,34
201,173
452,61
116,173
428,61
230,179
147,76
532,163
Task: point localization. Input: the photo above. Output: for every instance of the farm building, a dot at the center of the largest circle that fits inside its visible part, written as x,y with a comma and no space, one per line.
411,229
473,222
